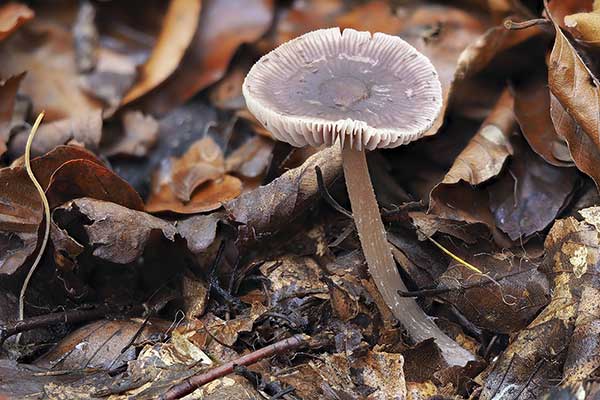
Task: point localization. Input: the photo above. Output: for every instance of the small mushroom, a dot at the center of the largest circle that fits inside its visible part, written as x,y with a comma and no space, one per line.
365,92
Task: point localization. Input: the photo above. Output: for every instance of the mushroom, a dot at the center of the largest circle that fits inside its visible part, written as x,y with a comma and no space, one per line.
365,92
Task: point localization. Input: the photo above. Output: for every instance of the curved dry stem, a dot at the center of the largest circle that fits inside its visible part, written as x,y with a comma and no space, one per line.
380,261
40,190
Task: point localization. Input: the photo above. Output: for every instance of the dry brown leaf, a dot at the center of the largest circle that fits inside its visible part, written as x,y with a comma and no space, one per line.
44,50
577,90
104,219
21,209
251,159
220,33
12,16
581,148
139,135
532,110
84,130
99,345
585,26
8,93
563,332
178,28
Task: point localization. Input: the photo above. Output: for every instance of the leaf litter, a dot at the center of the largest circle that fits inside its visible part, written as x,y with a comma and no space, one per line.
186,247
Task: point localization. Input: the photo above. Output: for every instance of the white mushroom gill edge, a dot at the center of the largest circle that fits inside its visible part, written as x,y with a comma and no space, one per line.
300,131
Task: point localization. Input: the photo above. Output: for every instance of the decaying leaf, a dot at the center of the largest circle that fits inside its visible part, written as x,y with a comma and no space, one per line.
134,228
220,32
179,25
564,332
8,93
139,135
12,16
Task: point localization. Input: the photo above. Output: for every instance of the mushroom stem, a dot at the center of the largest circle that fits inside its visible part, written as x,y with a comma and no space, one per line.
380,261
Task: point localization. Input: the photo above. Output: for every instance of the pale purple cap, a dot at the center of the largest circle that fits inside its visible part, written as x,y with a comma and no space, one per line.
375,90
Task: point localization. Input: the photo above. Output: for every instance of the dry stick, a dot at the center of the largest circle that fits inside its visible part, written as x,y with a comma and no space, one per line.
40,190
380,261
192,383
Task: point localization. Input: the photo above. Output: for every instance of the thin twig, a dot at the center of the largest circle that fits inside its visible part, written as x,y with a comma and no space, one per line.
40,190
512,25
327,196
192,383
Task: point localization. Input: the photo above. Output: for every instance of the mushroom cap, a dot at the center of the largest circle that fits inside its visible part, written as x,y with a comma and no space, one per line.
376,91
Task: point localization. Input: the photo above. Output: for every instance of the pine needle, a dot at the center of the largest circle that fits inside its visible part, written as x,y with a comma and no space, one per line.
455,257
40,190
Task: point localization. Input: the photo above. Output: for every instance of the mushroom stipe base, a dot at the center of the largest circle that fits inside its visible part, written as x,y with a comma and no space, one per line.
380,261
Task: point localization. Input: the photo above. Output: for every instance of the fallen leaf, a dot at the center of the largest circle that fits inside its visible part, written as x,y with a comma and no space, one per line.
139,135
578,91
178,28
134,228
251,159
8,94
44,50
581,148
100,344
563,333
85,178
21,207
532,110
529,186
585,25
220,33
13,16
84,130
227,332
270,208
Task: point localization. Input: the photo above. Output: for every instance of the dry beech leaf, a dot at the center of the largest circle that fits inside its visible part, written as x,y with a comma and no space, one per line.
21,208
577,90
581,148
528,186
532,110
134,229
139,135
99,344
585,26
178,28
220,33
12,16
251,159
505,304
86,178
274,206
483,158
45,51
8,93
84,130
561,343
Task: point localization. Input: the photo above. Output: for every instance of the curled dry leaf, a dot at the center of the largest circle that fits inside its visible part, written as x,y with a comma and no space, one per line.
565,331
585,26
532,110
483,158
196,182
102,219
578,91
12,16
220,32
581,148
178,28
272,207
8,94
139,135
21,209
84,130
251,159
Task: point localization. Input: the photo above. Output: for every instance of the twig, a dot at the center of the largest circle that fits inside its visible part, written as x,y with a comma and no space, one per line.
327,196
192,383
71,316
40,190
512,25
